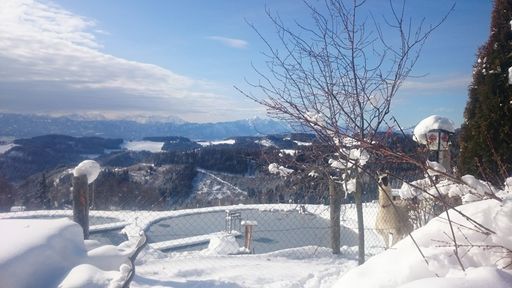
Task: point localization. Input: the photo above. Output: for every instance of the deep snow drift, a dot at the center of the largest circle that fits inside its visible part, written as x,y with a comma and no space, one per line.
51,253
485,256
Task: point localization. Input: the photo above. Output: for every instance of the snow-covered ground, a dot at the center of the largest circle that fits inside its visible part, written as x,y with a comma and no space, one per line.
303,267
485,256
482,254
207,186
51,253
143,146
217,142
6,147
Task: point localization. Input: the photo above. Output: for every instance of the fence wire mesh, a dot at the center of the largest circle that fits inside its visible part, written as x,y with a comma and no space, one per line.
258,225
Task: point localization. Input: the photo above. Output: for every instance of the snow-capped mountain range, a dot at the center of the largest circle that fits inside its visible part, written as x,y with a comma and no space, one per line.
138,127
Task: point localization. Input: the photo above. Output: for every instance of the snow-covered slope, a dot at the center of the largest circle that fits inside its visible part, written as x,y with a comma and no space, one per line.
209,187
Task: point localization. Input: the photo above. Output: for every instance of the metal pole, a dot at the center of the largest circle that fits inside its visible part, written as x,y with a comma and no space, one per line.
334,211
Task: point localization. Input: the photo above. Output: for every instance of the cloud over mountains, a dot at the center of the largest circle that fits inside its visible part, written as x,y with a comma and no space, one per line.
52,62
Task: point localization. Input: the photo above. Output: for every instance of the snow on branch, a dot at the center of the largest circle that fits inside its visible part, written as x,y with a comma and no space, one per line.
274,168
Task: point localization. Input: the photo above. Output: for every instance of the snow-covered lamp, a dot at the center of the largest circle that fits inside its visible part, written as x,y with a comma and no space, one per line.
435,132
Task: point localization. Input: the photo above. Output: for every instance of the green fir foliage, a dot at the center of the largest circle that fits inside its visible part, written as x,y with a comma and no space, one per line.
486,139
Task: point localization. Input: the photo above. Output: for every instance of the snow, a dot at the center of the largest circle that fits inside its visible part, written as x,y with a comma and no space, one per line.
305,267
6,147
90,168
310,266
300,143
473,278
44,253
290,152
18,208
265,143
149,146
188,241
435,168
89,276
222,245
482,259
218,142
44,250
508,185
350,186
431,123
470,190
249,223
313,174
280,170
206,185
360,155
316,119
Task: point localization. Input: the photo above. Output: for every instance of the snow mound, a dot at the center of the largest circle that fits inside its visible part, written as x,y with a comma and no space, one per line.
37,253
89,276
482,256
473,278
90,168
222,245
431,123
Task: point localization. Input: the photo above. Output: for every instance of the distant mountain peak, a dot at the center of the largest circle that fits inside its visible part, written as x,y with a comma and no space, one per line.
136,127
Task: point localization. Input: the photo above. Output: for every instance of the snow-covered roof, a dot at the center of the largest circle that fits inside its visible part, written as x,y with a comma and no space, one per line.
431,123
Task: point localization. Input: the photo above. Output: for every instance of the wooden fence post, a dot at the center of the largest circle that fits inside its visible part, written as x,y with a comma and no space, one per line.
248,225
81,203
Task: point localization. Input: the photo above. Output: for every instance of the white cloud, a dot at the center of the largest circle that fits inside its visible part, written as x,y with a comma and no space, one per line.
52,63
437,83
231,42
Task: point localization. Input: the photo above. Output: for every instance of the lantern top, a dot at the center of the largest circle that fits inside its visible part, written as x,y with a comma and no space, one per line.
431,123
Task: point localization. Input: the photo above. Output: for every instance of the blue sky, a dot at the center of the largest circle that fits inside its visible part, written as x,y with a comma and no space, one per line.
181,58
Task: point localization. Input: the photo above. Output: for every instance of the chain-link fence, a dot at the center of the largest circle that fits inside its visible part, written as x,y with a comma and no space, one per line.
257,227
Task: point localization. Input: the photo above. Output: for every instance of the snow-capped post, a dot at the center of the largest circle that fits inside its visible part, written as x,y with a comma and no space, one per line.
435,132
83,175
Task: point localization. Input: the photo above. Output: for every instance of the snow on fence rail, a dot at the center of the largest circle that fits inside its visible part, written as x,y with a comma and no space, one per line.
190,241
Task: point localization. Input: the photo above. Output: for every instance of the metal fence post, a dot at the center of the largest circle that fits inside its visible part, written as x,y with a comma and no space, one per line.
81,203
360,222
335,208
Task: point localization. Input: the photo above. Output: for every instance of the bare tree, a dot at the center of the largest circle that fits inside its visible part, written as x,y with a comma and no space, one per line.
338,76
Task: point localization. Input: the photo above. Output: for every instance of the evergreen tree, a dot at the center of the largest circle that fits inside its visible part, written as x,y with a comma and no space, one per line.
43,193
486,138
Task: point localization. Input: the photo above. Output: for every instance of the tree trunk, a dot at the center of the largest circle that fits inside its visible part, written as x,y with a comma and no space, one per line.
360,223
81,203
335,206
